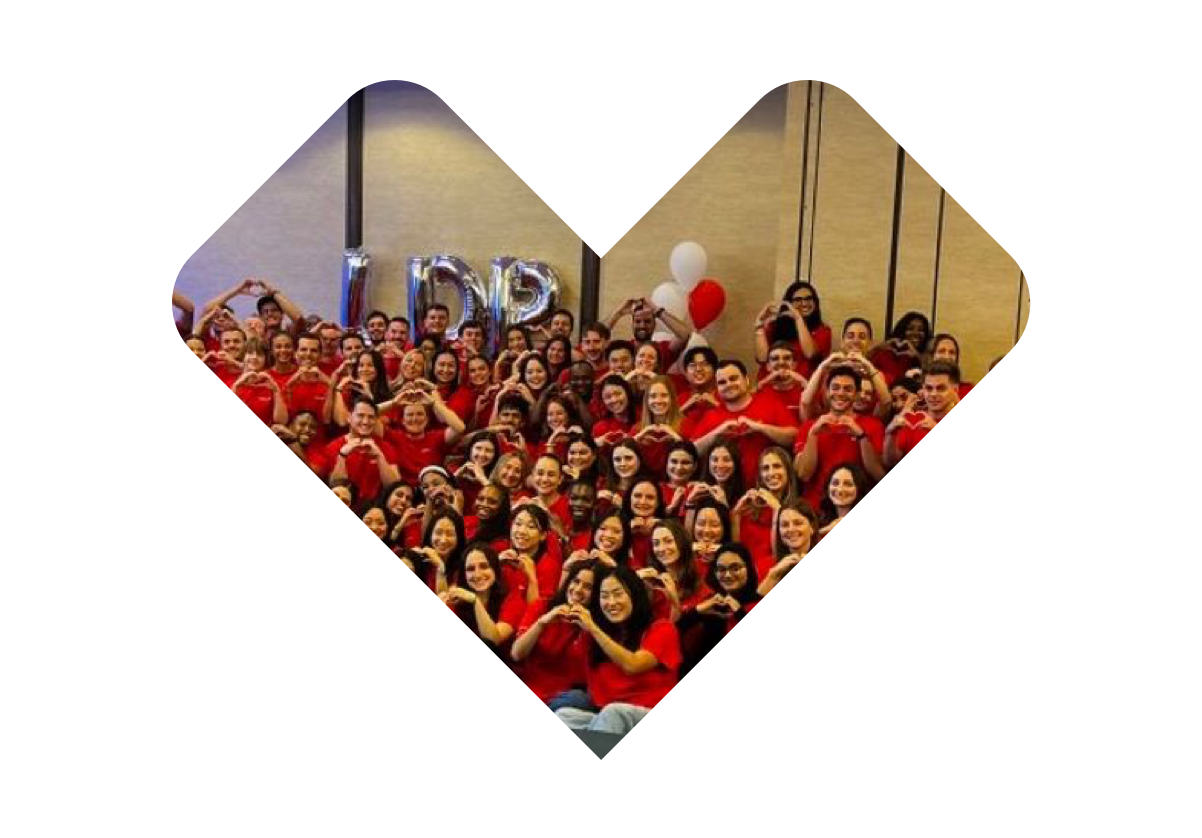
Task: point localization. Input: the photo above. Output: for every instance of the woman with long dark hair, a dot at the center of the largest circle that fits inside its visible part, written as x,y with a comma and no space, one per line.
481,599
489,520
709,527
442,548
370,381
619,414
447,378
798,322
672,568
643,508
552,650
733,580
633,658
904,348
776,485
846,486
533,559
723,472
610,546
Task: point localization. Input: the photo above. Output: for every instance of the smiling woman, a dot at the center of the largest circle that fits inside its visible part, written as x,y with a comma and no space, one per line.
633,659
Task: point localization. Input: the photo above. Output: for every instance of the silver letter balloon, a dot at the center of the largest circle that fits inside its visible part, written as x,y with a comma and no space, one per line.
434,279
524,292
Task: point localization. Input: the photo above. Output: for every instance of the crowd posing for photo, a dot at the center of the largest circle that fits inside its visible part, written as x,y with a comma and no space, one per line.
599,511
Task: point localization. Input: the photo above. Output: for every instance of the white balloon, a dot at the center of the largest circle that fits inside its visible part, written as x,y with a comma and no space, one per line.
688,263
673,299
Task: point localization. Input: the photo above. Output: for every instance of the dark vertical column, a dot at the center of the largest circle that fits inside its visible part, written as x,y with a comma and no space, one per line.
590,284
1018,316
805,173
895,252
817,171
354,169
938,259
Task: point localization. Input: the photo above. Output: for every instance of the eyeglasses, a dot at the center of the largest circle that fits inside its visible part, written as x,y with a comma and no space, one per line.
800,300
729,569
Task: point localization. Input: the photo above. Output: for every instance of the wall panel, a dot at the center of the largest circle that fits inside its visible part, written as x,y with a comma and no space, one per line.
729,202
978,292
290,231
432,185
853,213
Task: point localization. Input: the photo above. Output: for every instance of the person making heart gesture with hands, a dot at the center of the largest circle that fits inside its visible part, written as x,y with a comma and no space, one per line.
633,658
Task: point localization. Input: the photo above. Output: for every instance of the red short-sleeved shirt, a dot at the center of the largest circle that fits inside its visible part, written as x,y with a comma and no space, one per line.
260,399
788,399
822,346
755,532
610,424
558,661
415,453
911,434
607,683
761,409
361,467
891,363
513,608
836,446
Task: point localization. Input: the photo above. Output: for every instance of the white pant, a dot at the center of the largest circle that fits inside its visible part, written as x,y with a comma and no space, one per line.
616,718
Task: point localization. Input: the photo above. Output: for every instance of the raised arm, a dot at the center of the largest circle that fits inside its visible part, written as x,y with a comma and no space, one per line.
221,299
186,309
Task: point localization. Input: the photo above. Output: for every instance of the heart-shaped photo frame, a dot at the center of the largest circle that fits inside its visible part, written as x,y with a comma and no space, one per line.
677,321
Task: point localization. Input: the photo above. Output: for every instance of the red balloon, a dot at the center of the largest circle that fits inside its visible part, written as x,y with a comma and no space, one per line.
706,301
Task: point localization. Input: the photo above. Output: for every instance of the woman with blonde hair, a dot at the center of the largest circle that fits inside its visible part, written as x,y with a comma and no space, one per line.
659,425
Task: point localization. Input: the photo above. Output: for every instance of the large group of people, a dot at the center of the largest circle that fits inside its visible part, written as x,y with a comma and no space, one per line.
600,511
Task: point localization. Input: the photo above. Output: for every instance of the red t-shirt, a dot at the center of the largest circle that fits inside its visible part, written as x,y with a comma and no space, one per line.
788,399
891,363
911,434
760,409
227,374
415,453
755,532
806,366
558,661
361,466
513,607
607,683
259,398
610,424
836,446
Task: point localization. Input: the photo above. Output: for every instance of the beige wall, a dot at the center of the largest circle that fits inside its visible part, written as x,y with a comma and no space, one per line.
289,231
432,185
729,202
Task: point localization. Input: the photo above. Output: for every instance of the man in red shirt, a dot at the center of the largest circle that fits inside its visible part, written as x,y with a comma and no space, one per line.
756,422
227,361
330,334
837,437
643,316
377,327
358,456
593,341
781,380
940,387
309,389
396,344
417,446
